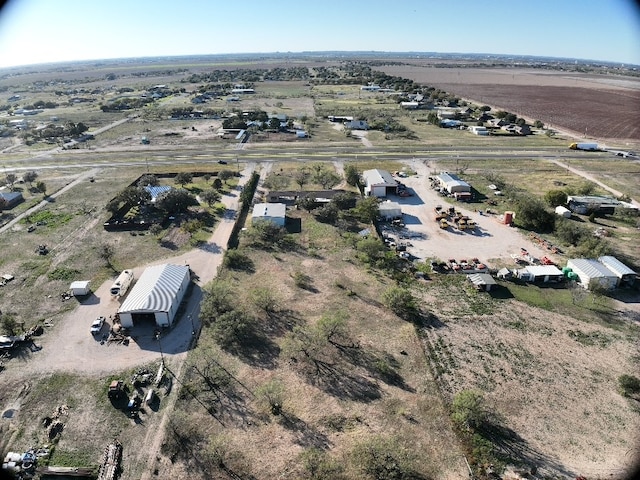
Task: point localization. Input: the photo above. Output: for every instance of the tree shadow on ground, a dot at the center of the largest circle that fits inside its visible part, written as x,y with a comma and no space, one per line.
304,434
346,385
428,320
282,321
257,350
379,364
512,448
500,292
168,244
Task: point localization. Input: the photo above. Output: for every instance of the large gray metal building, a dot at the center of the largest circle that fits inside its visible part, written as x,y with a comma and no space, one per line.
156,295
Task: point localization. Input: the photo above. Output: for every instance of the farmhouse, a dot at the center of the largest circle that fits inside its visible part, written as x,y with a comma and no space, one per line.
156,296
390,210
10,199
626,276
270,212
592,273
592,203
379,183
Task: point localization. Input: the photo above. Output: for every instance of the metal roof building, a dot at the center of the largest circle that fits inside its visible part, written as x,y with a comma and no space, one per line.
156,295
592,273
379,183
625,274
452,183
270,212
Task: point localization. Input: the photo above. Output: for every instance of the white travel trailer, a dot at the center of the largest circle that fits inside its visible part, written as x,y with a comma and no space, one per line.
122,283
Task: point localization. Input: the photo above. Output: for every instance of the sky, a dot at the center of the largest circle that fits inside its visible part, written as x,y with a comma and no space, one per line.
43,31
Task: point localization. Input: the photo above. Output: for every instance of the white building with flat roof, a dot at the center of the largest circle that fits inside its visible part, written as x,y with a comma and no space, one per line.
270,212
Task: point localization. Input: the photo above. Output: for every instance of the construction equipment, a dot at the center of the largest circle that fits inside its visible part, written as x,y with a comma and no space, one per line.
116,389
444,224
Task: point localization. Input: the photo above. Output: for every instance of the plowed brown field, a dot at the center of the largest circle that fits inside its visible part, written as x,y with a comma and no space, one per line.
595,106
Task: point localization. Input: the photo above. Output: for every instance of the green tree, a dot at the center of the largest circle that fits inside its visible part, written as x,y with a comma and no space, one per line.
531,214
225,175
327,213
30,177
113,206
538,124
210,197
106,253
276,182
327,179
370,250
366,210
217,184
468,409
219,297
41,187
148,179
10,180
307,202
183,178
629,385
553,198
232,329
272,394
234,259
9,323
401,302
302,177
266,234
274,124
133,196
343,200
587,188
569,232
265,299
351,174
175,201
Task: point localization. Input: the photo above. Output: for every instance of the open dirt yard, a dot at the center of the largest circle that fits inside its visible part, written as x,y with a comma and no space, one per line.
602,107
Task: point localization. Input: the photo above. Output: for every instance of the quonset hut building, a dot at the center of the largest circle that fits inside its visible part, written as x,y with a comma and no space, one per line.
156,296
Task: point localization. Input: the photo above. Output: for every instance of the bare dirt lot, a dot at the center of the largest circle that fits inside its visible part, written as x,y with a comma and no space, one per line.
598,106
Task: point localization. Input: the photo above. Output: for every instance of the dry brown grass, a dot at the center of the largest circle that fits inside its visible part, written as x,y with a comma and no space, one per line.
331,414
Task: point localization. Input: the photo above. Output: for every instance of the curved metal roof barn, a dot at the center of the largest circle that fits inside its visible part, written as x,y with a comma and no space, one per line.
158,293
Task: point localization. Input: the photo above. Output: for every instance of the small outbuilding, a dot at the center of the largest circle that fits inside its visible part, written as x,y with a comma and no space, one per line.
270,212
10,200
379,183
453,184
626,276
540,274
482,281
563,211
80,288
390,210
592,273
156,295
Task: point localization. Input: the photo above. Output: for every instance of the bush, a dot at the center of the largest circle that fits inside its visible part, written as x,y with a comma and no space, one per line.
468,409
236,260
401,302
232,328
629,385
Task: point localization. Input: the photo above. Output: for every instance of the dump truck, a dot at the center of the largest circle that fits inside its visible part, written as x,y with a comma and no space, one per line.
591,147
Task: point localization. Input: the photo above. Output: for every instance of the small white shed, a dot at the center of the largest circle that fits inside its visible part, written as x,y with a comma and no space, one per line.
270,212
390,210
563,211
80,288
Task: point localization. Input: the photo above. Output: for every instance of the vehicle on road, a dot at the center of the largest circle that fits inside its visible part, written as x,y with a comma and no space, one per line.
591,147
97,324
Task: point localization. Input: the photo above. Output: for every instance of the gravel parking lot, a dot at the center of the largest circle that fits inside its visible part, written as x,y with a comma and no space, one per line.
491,241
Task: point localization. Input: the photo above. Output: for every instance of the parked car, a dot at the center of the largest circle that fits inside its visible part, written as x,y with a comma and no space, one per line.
97,324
